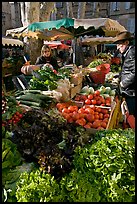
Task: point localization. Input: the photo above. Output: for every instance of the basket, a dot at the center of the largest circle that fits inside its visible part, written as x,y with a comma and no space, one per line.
105,68
98,77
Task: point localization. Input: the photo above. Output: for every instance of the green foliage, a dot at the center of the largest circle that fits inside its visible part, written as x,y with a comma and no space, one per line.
37,186
111,161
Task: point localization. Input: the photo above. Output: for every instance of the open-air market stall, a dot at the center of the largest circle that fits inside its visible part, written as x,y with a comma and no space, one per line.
69,29
12,60
65,145
54,142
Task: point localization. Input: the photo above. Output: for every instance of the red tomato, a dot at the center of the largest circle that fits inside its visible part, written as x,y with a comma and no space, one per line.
65,110
96,124
103,124
104,111
106,115
96,116
89,110
93,102
87,126
81,121
100,128
97,92
99,102
70,120
81,110
71,108
87,101
90,96
75,116
90,117
98,109
101,116
83,97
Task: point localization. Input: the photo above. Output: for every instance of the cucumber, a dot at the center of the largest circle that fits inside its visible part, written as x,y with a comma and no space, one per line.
28,97
30,103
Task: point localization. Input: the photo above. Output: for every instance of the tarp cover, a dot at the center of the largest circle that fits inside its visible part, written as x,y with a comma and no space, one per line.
13,42
69,28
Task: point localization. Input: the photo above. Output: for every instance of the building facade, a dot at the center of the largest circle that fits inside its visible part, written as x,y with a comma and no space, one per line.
11,16
123,12
6,17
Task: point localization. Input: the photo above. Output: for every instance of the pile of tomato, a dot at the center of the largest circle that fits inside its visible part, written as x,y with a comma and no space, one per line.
88,116
94,99
16,117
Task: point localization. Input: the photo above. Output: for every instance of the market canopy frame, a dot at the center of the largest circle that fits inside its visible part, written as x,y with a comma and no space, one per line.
69,28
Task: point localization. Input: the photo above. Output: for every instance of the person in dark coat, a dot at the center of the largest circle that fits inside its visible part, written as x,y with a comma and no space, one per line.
127,74
45,58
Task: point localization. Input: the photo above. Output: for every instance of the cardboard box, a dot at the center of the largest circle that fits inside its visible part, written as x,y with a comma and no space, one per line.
74,90
76,79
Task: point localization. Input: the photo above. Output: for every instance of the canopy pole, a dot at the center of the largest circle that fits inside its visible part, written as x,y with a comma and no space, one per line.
74,41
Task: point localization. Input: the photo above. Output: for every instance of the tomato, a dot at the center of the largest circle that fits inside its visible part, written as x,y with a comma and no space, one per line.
90,96
77,98
70,120
96,116
99,102
81,110
89,110
96,124
101,116
105,120
72,108
83,97
103,124
87,126
17,113
92,107
97,92
65,110
104,111
108,104
108,99
90,118
106,115
20,115
93,102
98,109
100,128
87,101
81,121
75,116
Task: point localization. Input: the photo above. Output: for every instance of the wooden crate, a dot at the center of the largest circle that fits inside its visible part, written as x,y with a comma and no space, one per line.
74,90
111,121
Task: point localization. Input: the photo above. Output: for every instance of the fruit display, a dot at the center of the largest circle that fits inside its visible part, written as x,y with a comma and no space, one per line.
11,111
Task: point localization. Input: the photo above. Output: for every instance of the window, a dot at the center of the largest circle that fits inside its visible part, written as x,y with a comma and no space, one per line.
132,5
127,5
131,25
59,4
115,6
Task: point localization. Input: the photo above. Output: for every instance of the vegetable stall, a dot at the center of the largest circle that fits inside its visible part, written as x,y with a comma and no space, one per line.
63,139
65,142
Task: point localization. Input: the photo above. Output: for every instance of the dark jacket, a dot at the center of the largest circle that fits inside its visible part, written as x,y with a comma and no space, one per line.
127,75
42,60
